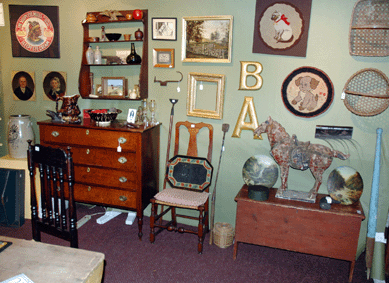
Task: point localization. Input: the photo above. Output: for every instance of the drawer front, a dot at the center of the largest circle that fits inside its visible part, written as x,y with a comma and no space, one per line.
88,137
105,158
105,177
105,196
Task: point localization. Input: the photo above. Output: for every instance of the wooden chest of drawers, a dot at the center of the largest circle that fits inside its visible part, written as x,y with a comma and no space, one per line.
103,174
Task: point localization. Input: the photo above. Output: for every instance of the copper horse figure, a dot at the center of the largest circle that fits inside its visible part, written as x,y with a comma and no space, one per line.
288,151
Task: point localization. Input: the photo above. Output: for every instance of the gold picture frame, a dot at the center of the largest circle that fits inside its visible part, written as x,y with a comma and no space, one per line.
163,58
114,86
207,39
205,95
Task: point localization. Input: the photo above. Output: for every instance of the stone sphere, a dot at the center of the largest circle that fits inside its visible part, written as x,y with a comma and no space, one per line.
260,170
345,184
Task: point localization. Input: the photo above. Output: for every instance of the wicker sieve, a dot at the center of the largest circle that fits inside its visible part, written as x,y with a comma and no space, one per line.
223,234
369,28
367,92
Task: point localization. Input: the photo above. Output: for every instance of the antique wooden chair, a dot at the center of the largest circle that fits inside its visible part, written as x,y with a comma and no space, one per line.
182,193
57,203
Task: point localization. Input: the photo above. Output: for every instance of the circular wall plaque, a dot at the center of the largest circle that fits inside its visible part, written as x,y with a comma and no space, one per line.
307,92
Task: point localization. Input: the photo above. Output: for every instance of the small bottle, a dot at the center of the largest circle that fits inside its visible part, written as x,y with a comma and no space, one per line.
103,37
90,57
97,56
133,57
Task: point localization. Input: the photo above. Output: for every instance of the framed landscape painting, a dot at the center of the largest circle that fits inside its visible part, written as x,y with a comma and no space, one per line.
207,39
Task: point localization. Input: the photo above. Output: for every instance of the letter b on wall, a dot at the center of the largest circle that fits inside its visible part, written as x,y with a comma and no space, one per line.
244,73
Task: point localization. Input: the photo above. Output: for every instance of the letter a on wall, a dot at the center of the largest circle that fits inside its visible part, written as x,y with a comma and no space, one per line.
244,73
247,109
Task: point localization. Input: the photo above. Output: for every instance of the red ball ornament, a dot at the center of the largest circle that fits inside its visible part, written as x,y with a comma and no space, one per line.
137,14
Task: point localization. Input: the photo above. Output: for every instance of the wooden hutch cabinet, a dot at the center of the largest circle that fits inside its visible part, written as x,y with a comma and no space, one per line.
104,175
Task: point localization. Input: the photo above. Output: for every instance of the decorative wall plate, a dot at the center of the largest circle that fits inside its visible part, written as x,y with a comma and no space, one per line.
307,92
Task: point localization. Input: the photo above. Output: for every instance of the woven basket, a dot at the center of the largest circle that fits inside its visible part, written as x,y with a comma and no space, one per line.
369,28
223,235
367,92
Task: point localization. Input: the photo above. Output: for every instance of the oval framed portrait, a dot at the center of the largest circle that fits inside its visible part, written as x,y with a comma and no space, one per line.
54,85
307,92
23,85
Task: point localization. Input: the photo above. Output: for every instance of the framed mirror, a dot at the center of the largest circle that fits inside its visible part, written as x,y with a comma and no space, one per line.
205,95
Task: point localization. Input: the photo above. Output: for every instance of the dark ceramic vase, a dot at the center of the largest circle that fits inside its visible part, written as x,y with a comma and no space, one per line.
133,57
139,34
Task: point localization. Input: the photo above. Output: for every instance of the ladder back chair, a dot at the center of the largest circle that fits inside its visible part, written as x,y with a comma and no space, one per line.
191,192
56,197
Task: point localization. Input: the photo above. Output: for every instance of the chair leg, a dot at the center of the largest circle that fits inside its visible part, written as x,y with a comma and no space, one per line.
174,217
154,208
73,233
200,231
36,235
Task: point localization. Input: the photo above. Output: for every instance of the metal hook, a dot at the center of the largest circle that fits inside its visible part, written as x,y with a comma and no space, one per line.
164,83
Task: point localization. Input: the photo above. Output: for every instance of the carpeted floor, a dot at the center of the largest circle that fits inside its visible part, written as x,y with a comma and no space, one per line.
174,258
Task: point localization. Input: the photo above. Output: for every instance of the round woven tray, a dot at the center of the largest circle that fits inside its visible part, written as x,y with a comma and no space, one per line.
367,92
223,235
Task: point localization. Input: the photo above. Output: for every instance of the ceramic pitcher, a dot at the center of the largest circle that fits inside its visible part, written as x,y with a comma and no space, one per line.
19,132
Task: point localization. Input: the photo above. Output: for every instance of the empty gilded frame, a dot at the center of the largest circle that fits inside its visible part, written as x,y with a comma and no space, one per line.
205,95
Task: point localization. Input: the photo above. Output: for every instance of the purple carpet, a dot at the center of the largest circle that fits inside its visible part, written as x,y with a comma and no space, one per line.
174,258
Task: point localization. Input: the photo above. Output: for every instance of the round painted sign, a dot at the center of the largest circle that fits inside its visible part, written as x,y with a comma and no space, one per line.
34,31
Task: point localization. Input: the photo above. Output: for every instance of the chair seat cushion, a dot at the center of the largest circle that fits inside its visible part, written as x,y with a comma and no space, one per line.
183,198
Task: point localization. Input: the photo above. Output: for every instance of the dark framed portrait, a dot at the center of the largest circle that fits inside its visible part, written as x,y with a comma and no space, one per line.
281,28
54,84
164,28
23,85
34,31
307,92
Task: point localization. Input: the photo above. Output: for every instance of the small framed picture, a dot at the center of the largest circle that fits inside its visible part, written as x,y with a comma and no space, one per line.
164,28
131,115
163,58
114,86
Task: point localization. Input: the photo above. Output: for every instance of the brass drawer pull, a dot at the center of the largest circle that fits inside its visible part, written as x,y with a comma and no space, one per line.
89,188
123,179
87,151
122,159
122,198
88,169
55,134
87,132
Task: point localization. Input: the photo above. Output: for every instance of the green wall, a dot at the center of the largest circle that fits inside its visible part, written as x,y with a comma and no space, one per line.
327,50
